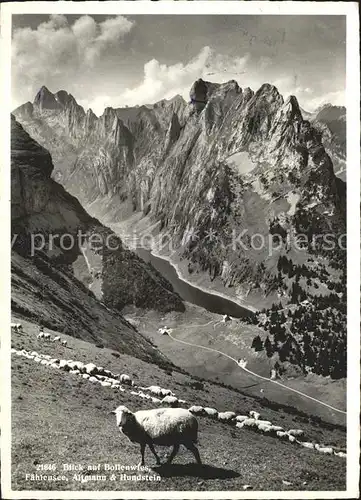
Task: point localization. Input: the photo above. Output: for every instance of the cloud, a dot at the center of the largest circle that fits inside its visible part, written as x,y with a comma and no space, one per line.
337,98
98,104
56,49
162,81
308,98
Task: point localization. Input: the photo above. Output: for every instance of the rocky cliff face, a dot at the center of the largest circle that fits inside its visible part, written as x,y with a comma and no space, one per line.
229,161
331,122
63,260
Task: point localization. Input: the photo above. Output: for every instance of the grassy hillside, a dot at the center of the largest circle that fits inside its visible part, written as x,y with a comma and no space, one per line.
235,339
60,418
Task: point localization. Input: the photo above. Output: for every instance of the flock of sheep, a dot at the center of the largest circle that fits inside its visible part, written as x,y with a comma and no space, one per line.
174,416
18,328
253,422
46,336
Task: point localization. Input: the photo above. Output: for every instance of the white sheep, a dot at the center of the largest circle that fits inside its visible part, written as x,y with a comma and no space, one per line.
241,418
305,444
296,432
170,400
263,427
64,343
249,422
106,384
125,379
41,335
154,389
64,365
56,339
211,412
340,454
254,415
227,416
327,450
167,392
264,422
197,410
164,427
291,439
90,368
282,435
273,429
18,327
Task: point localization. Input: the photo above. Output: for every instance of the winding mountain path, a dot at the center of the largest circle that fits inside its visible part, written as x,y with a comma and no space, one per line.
253,373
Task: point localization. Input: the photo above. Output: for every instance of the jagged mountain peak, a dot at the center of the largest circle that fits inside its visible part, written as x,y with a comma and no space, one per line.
292,108
45,99
64,98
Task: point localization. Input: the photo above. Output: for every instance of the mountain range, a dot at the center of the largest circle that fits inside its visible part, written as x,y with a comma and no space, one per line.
233,177
229,159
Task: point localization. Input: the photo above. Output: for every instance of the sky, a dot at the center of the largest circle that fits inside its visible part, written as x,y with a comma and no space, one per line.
132,60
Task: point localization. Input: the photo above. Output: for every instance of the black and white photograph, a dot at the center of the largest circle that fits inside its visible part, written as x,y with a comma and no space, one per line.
181,308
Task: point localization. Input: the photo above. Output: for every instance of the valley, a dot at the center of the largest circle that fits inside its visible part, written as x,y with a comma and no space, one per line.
163,192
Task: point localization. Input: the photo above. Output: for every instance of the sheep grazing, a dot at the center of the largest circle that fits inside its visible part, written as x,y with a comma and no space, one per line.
296,432
264,422
227,416
166,392
64,343
282,435
40,335
164,427
17,327
154,389
125,379
90,368
56,339
340,454
263,427
211,412
249,422
254,414
47,336
327,450
171,401
197,410
241,418
305,444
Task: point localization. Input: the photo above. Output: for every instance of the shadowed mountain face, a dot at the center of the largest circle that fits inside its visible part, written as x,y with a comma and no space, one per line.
64,260
230,160
331,121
